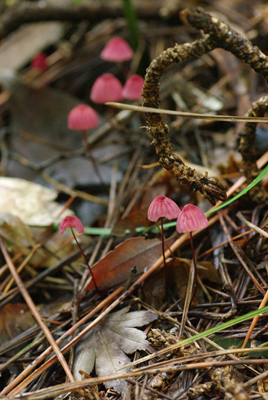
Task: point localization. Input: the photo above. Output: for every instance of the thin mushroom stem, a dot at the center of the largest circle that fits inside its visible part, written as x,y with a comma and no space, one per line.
83,254
195,267
161,230
163,250
92,159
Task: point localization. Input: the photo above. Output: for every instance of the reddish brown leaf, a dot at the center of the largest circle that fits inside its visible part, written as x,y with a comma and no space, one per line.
131,222
14,319
178,274
115,267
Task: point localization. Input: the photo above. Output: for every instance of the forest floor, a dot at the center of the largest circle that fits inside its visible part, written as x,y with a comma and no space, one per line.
96,311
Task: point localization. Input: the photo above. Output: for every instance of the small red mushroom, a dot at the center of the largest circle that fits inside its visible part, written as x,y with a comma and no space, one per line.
191,219
40,62
82,117
132,89
162,207
117,50
106,88
71,222
74,223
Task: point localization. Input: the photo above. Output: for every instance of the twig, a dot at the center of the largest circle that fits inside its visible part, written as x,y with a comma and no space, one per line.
158,263
53,391
188,299
49,350
237,253
251,225
28,12
35,313
255,320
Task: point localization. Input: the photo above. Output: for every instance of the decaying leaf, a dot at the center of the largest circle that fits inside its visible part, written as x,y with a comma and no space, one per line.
20,47
179,275
17,235
14,319
31,202
115,267
154,287
131,222
106,345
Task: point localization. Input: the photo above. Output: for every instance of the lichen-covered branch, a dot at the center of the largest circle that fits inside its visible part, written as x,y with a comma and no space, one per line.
228,39
247,148
220,35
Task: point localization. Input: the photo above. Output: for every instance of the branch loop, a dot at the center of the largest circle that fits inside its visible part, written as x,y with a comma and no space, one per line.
219,35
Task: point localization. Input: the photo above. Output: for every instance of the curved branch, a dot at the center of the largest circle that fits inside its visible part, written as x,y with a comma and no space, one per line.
220,35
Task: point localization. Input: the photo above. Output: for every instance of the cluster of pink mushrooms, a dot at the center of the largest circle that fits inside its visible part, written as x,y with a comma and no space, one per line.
107,87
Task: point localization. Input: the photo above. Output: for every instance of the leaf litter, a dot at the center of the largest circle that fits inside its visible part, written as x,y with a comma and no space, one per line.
231,255
108,343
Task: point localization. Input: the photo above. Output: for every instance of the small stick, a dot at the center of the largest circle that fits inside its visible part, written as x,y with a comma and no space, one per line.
35,313
83,254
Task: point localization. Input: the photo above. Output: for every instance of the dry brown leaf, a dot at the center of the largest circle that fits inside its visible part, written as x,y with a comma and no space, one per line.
31,202
131,222
18,237
106,345
115,267
18,49
14,319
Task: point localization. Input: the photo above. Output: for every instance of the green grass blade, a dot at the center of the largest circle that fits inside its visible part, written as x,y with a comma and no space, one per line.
220,327
250,186
132,21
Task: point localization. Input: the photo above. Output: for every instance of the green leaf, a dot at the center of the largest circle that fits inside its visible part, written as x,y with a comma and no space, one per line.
131,17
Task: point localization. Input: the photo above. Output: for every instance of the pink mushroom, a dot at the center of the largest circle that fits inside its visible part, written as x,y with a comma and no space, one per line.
133,88
74,223
162,207
82,117
106,88
191,219
40,62
71,222
117,50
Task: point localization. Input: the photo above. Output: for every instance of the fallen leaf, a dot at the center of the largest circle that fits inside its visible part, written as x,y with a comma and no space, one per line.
19,48
14,319
31,202
131,222
115,267
106,345
17,236
179,275
154,287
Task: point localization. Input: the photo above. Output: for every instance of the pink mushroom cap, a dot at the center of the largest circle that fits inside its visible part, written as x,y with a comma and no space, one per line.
162,206
82,117
117,50
133,88
106,88
191,219
71,222
40,62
